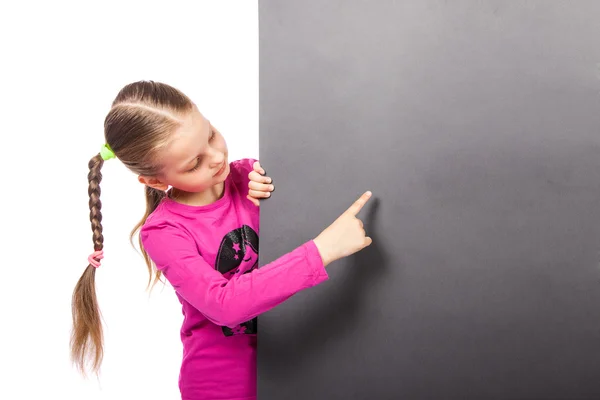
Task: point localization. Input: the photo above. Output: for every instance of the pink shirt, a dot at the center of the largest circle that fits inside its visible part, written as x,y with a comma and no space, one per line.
209,254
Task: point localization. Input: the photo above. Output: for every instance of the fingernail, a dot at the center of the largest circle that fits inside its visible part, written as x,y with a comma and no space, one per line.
268,194
272,187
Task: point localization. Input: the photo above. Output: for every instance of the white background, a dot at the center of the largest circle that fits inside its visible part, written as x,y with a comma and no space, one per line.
61,65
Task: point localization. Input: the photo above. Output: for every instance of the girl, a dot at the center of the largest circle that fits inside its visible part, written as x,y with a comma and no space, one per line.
200,231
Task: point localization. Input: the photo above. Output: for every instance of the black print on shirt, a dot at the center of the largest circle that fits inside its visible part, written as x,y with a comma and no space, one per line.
238,249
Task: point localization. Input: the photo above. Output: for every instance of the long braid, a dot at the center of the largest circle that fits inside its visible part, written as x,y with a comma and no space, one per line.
94,179
87,337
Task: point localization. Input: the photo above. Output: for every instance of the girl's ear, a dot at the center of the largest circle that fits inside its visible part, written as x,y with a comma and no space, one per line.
153,182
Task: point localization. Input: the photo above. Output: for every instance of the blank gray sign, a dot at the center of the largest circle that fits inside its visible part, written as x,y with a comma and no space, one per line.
476,124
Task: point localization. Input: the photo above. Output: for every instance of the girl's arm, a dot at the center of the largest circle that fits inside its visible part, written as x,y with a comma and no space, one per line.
230,302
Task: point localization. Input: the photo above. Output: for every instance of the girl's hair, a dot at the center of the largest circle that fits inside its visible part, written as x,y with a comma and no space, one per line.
138,125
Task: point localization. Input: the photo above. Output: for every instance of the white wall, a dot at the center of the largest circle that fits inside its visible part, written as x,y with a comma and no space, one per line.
62,65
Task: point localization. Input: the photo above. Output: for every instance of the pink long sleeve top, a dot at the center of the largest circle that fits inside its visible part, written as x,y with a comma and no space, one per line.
209,254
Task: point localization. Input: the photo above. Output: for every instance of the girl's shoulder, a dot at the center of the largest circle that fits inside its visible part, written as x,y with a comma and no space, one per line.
159,218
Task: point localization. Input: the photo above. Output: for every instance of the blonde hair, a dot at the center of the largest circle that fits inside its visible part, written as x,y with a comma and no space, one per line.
142,117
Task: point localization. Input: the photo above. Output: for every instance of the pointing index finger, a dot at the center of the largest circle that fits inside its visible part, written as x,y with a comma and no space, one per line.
359,204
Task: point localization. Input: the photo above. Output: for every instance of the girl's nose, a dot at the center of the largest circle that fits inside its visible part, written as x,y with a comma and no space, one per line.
217,157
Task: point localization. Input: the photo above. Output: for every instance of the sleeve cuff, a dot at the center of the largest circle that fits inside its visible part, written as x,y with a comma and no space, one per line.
315,263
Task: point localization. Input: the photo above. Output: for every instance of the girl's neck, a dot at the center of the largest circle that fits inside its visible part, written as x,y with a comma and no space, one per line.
203,198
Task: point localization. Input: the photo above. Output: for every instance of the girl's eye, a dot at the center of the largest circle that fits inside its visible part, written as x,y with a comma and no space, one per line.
196,166
212,135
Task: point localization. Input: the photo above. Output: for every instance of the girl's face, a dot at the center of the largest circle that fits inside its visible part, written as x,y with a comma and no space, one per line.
194,160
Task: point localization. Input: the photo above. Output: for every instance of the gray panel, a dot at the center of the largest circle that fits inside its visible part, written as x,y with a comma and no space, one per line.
476,124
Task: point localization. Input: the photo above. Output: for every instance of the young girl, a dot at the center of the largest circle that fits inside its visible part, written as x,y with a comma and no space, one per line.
200,231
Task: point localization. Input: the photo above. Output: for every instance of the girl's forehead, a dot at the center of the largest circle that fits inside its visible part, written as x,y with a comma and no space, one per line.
188,140
192,122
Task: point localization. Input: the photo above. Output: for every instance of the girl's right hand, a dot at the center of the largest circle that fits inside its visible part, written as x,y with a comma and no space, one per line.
345,236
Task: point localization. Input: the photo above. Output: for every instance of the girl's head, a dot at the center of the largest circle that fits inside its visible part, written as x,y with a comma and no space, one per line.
161,136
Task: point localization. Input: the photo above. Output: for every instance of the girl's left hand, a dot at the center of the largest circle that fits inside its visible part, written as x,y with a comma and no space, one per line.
260,186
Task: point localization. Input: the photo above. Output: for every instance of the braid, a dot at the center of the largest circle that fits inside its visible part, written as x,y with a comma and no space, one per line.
86,336
94,179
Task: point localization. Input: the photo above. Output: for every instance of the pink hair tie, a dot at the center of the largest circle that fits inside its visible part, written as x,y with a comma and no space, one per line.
95,257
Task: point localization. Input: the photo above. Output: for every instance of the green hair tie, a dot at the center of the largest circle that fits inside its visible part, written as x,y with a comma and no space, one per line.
106,152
